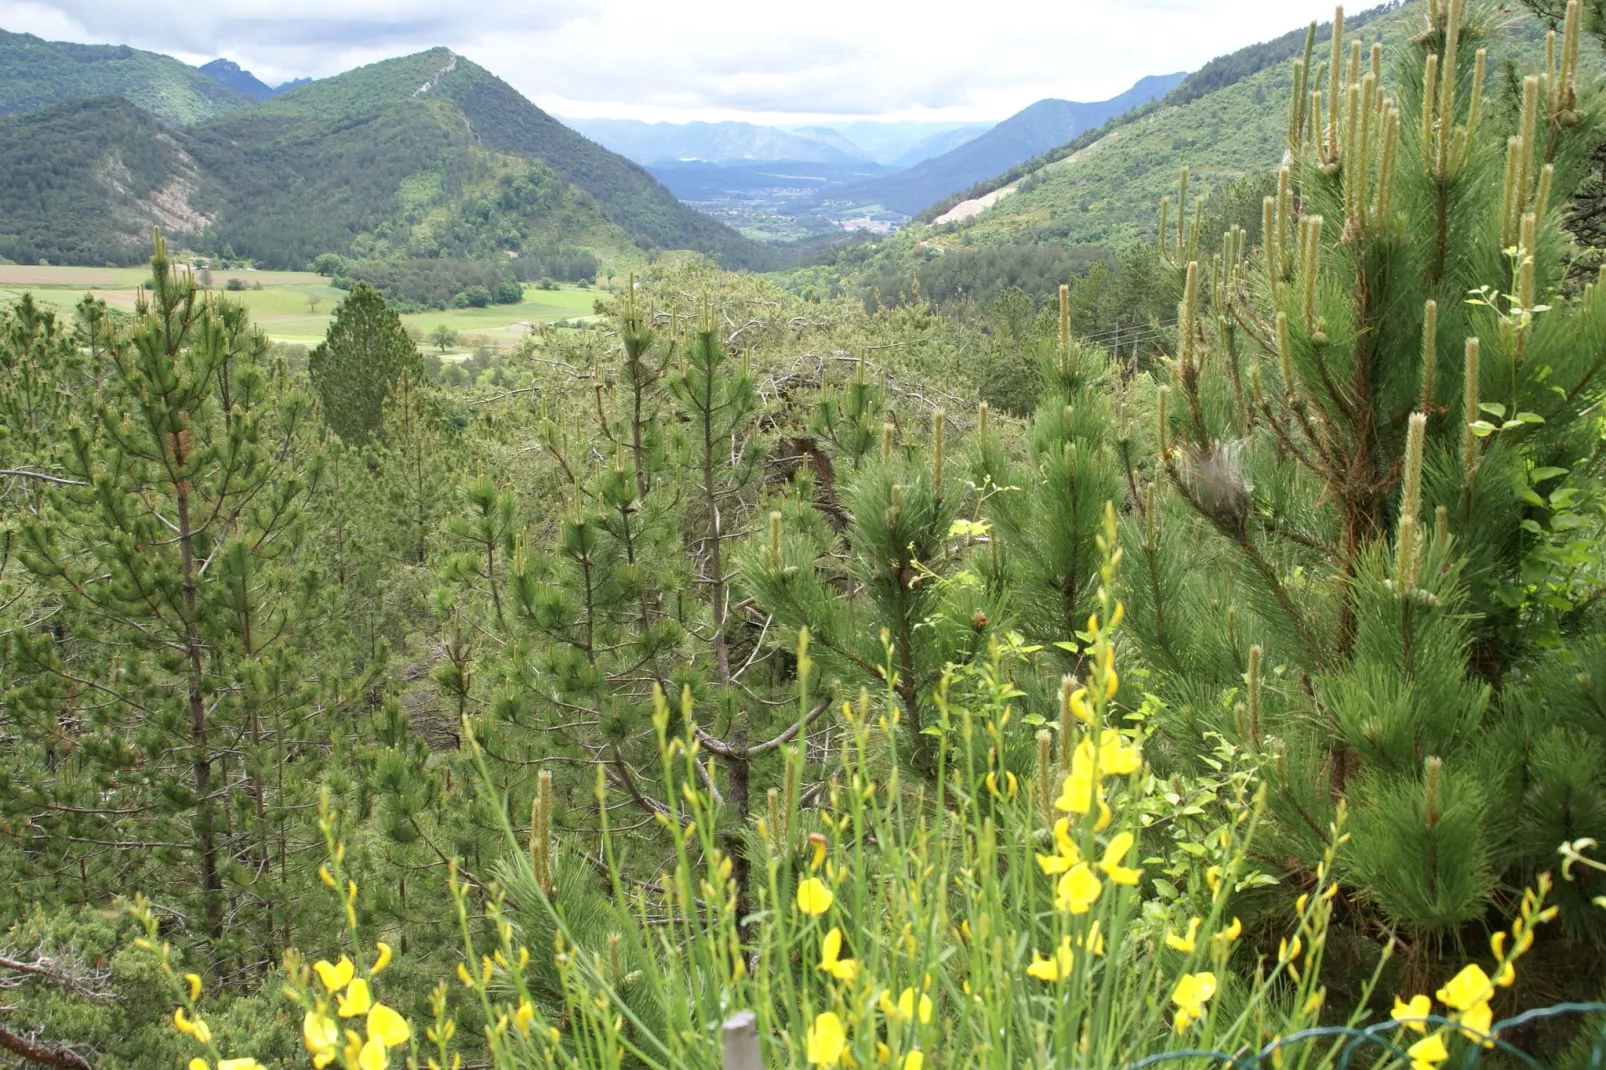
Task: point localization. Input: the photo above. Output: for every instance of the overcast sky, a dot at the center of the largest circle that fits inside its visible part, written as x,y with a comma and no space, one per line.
760,60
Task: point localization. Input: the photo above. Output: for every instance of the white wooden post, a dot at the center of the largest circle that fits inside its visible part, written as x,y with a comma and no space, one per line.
741,1042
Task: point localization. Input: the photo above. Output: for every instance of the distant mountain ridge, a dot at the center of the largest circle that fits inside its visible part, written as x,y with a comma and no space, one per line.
894,144
427,155
35,73
229,73
1028,133
901,143
1222,72
718,143
937,144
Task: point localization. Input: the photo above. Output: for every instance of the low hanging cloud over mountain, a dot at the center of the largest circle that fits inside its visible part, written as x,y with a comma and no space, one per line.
709,59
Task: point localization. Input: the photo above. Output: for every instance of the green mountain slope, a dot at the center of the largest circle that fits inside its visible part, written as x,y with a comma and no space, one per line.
1105,190
494,116
1023,135
35,73
425,156
1108,192
83,182
402,180
397,182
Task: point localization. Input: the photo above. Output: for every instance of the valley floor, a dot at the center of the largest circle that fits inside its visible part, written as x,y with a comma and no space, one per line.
281,307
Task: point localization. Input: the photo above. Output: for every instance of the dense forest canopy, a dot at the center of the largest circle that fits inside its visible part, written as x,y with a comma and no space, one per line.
75,176
41,73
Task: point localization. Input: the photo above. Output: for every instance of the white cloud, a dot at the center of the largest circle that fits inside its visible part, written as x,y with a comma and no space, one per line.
712,59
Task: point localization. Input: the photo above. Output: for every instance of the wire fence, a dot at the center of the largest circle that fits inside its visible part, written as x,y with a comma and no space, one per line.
1382,1041
1392,1039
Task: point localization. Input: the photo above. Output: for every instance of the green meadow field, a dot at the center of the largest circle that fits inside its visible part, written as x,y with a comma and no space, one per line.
295,306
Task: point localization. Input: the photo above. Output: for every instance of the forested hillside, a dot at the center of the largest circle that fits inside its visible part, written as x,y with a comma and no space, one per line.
370,178
439,88
83,182
35,73
423,156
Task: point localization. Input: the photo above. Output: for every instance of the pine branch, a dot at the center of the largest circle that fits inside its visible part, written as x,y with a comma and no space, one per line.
792,731
64,975
80,982
36,1051
23,473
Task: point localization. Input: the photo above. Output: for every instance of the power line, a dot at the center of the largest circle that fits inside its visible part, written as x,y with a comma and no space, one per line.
1123,335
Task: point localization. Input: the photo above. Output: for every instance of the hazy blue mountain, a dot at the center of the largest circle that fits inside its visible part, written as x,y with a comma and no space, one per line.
937,144
229,73
776,181
1029,132
905,143
825,135
726,142
891,144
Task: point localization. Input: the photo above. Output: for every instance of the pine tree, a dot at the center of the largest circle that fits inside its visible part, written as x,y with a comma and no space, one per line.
1047,510
562,624
42,369
359,363
1344,461
889,593
155,707
412,461
1586,216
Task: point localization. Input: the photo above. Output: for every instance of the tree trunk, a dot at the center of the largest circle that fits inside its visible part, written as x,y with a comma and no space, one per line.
205,836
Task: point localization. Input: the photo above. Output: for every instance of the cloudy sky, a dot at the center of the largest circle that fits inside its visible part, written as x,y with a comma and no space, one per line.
759,60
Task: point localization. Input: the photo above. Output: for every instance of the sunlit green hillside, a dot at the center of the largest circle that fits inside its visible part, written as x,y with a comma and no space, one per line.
1107,193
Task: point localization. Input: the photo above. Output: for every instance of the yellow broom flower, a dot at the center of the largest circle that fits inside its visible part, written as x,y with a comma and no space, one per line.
336,976
1428,1052
1193,991
1185,944
1120,845
1078,890
1467,989
827,1040
1412,1013
814,897
840,968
